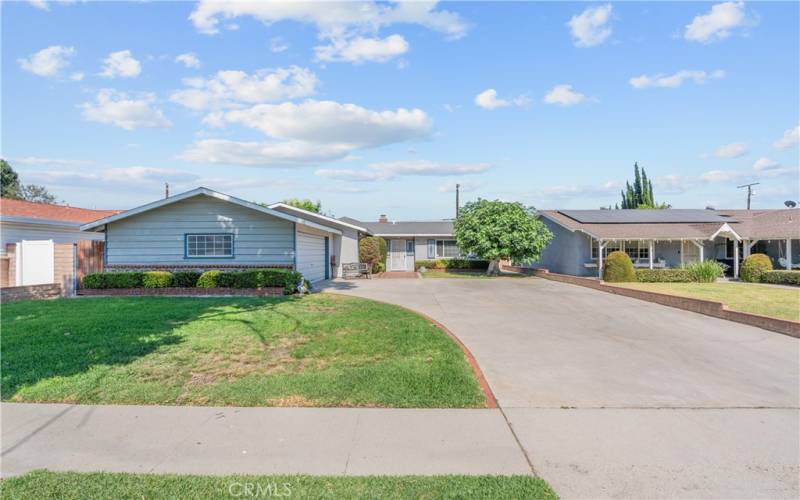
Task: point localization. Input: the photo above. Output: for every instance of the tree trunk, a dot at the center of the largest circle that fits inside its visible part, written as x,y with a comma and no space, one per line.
494,268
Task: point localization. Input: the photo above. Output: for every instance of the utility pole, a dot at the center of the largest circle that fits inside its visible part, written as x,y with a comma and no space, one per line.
458,188
166,190
749,191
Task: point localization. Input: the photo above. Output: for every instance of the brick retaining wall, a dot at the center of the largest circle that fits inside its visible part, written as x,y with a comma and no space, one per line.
707,307
193,292
15,293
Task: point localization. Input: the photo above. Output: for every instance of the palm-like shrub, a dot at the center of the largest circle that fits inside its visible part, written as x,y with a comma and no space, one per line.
618,268
705,272
754,267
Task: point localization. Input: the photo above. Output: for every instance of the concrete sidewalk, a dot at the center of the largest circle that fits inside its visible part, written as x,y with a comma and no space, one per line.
207,440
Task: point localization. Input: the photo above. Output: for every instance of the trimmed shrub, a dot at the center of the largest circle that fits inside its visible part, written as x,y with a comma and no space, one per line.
379,267
754,267
781,277
112,280
185,279
706,272
618,268
260,278
452,264
663,276
372,250
209,279
157,279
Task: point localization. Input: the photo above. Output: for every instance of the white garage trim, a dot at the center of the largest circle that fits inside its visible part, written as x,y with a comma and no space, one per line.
312,256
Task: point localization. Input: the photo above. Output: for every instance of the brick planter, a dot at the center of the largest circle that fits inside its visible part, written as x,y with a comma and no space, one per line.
185,292
14,293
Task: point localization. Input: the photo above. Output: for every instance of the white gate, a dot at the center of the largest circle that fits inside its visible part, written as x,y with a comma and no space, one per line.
397,255
35,262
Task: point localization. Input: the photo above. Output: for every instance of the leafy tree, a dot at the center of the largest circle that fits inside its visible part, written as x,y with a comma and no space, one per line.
12,189
640,195
9,181
305,204
498,230
372,250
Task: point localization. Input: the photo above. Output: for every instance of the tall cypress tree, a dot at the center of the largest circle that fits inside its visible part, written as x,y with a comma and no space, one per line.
640,194
637,185
646,190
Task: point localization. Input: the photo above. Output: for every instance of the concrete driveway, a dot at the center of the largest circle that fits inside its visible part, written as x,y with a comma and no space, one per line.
616,397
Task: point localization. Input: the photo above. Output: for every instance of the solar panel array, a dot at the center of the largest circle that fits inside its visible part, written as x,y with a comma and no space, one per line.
668,216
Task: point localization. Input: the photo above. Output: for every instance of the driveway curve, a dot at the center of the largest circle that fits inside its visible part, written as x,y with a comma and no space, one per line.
616,397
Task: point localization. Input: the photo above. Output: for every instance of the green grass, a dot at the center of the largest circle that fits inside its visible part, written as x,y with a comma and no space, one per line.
80,486
777,302
319,350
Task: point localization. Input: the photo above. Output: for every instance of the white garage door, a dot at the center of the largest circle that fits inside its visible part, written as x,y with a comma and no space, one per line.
311,256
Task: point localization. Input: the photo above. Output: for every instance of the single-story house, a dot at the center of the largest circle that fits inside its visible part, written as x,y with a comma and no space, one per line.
34,235
668,238
204,229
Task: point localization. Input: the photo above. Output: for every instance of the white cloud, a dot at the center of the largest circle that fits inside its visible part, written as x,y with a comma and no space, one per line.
229,88
763,164
278,45
117,108
721,176
464,186
790,139
488,100
121,64
390,170
77,76
733,150
674,80
39,4
39,161
574,190
309,132
349,27
717,23
49,61
563,95
590,27
189,60
362,49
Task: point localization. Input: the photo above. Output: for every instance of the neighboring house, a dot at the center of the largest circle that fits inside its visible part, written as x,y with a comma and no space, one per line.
410,241
34,235
668,238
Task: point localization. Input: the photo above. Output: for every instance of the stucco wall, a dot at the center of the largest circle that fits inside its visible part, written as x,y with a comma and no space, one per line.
566,253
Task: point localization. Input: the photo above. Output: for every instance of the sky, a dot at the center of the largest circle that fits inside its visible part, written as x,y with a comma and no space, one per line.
381,108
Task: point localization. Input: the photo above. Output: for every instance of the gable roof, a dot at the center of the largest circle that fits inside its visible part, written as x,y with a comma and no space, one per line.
27,211
313,215
202,191
407,228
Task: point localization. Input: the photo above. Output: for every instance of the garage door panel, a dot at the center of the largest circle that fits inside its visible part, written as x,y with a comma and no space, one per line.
311,256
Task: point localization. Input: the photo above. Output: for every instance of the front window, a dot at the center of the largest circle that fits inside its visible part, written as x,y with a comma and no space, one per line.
447,248
209,245
636,250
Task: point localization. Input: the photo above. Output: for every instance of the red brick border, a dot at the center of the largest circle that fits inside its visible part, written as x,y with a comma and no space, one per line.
183,292
707,307
28,292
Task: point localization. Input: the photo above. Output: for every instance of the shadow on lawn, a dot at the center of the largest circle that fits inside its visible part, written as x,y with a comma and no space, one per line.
60,338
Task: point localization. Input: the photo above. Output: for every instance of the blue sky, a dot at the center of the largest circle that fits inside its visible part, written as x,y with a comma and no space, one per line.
381,107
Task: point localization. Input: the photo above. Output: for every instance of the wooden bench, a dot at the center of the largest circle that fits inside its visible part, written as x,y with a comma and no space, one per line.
356,270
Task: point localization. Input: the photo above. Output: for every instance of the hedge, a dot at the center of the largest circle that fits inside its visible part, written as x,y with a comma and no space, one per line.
663,275
781,277
452,264
253,278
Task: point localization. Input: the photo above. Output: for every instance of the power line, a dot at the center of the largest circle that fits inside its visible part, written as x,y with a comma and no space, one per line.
749,191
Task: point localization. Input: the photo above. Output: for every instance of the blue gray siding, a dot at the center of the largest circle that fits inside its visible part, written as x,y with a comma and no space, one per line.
157,236
567,253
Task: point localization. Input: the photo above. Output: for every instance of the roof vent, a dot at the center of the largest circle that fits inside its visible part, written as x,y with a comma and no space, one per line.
383,219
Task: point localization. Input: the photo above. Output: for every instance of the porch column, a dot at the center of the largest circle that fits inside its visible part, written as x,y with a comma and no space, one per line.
681,252
650,252
736,259
600,247
746,248
788,254
699,246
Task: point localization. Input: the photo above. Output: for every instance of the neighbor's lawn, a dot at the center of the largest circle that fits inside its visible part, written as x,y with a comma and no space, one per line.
71,485
320,350
747,297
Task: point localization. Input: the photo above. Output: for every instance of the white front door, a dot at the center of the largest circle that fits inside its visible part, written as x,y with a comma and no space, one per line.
397,255
35,264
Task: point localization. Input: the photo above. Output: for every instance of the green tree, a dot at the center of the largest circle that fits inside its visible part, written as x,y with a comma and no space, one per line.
305,204
640,195
9,181
37,194
498,230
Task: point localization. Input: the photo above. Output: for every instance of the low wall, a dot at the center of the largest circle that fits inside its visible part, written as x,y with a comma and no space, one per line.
191,292
707,307
15,293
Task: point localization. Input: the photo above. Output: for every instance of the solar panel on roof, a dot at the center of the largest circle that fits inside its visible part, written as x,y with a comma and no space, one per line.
645,216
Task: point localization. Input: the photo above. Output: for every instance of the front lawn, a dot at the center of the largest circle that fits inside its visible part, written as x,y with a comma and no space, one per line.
71,485
777,302
319,350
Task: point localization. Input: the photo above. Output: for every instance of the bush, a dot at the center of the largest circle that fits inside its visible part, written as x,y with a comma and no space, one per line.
452,264
754,267
256,278
663,276
157,279
618,268
781,277
706,272
379,267
209,279
113,280
185,279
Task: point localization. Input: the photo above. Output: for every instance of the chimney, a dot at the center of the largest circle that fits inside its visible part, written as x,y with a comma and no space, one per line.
382,219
